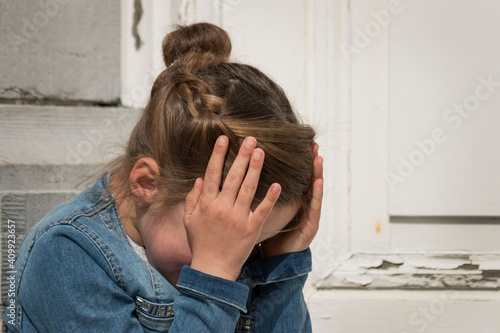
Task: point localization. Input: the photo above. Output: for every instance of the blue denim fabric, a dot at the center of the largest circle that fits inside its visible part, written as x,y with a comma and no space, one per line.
77,272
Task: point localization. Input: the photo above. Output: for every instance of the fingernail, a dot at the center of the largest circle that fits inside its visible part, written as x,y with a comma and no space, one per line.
257,154
249,142
222,140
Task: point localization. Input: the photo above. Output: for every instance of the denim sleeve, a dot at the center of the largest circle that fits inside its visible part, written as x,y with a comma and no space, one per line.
276,299
65,288
207,303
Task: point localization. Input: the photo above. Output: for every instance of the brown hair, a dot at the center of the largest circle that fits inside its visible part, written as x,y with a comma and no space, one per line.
200,96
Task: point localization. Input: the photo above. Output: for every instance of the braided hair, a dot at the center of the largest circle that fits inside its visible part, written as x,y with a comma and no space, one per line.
201,95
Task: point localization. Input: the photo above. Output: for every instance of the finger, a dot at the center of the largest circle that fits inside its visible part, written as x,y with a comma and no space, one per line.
251,181
316,201
193,196
315,149
310,228
318,167
238,170
314,210
262,211
215,165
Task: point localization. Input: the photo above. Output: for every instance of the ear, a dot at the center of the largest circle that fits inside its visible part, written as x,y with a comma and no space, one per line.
143,180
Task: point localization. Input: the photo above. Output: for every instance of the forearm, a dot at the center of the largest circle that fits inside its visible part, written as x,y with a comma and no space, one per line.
280,307
207,303
276,298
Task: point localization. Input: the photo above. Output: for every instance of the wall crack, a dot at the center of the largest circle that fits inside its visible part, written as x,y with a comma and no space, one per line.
137,18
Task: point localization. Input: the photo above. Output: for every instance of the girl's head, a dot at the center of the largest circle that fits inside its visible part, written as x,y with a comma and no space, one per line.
202,95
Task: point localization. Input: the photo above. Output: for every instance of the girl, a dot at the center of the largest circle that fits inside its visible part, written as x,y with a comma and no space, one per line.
203,225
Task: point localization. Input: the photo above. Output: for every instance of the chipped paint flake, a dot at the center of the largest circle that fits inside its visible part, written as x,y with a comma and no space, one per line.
451,271
361,280
437,262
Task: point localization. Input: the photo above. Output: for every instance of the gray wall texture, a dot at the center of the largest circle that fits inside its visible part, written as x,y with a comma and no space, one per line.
60,50
60,113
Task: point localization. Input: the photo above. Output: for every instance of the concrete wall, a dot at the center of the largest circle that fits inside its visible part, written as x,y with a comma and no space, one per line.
60,114
60,50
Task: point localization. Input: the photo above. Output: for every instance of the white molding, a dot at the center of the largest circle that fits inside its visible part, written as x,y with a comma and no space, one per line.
405,311
370,229
331,116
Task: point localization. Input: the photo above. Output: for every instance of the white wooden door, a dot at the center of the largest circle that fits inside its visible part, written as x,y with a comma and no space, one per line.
421,114
405,97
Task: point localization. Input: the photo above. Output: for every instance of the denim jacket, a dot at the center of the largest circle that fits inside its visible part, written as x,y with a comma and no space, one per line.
77,272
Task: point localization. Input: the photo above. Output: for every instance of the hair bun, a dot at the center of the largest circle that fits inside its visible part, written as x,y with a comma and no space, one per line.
196,38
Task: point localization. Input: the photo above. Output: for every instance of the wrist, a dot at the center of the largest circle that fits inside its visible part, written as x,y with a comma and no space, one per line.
273,250
214,268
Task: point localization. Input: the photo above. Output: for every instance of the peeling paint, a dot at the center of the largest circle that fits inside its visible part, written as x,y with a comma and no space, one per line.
491,273
468,266
414,271
361,280
387,265
437,262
